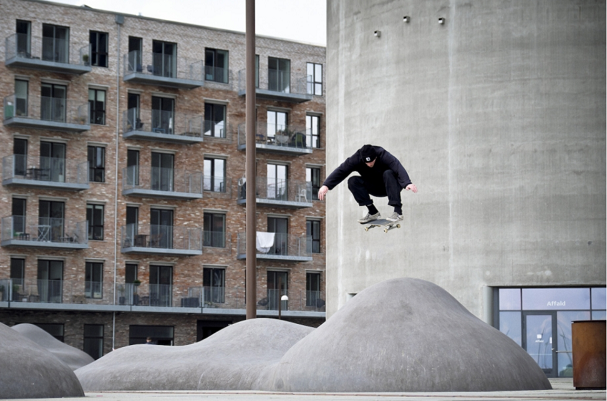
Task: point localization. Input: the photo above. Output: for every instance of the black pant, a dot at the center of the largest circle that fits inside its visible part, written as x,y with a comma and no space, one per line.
389,187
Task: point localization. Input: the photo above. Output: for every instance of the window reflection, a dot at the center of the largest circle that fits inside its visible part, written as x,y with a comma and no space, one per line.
564,319
510,325
598,298
510,299
556,298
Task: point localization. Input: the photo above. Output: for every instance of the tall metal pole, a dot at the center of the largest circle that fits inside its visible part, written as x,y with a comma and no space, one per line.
251,224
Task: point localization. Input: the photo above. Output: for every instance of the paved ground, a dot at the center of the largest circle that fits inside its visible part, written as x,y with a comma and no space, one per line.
562,390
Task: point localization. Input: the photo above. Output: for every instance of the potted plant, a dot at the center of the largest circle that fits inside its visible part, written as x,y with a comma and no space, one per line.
136,283
85,59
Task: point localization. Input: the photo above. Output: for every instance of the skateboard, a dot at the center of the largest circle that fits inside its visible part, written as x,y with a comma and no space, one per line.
386,224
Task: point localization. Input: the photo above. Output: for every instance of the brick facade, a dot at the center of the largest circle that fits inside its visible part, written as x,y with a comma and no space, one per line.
187,271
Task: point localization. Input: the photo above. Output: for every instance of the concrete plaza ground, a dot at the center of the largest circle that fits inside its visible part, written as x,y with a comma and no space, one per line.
562,390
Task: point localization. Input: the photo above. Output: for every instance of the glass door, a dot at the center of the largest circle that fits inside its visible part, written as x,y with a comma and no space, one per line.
53,102
277,182
161,285
279,226
163,115
50,220
162,171
161,230
52,161
538,332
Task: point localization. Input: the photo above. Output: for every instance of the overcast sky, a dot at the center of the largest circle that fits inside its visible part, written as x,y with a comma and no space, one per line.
300,20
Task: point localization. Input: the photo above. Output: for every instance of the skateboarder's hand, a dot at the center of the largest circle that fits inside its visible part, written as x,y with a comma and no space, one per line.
411,187
322,192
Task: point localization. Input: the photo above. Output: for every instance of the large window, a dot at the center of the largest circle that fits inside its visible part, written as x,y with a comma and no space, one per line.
277,122
24,32
280,227
161,228
214,174
216,65
94,218
19,218
161,335
50,281
314,78
97,106
313,181
50,221
279,74
162,171
132,167
134,122
313,129
313,290
135,54
313,234
17,271
277,185
93,280
21,97
213,281
165,59
161,285
215,230
96,159
99,48
278,285
53,102
93,340
215,120
54,329
52,162
163,114
55,43
20,148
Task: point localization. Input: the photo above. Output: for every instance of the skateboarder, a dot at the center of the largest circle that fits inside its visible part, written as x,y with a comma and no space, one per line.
381,174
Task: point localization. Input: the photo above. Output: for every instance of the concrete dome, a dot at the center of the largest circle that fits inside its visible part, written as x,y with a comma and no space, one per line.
405,335
30,371
72,357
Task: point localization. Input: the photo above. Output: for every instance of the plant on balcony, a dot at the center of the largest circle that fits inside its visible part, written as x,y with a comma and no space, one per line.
136,283
283,136
85,59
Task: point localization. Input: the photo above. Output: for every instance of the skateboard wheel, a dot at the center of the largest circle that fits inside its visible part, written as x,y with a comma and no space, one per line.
386,230
366,228
398,226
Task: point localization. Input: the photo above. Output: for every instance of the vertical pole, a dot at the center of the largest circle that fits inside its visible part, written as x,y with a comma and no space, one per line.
279,296
251,210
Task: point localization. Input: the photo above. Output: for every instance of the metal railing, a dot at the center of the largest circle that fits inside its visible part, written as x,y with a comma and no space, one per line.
215,239
283,245
220,185
161,122
161,179
47,49
277,81
44,108
159,237
163,65
47,229
269,188
285,136
216,74
52,169
210,129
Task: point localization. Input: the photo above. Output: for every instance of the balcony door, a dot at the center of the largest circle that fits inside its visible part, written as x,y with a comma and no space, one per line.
277,187
165,59
20,156
19,219
55,43
162,171
132,226
161,285
279,226
53,102
50,220
277,287
50,280
135,47
279,74
24,34
161,230
52,161
163,115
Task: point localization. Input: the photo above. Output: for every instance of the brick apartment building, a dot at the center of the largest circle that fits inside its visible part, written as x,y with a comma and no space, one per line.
123,176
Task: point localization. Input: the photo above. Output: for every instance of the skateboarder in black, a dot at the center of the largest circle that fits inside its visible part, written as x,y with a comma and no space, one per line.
381,174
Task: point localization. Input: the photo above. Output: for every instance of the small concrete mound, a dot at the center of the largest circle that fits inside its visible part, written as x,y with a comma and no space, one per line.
231,359
405,335
72,357
29,371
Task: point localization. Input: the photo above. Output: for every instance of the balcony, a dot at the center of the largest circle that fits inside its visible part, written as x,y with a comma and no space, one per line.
158,182
163,70
269,138
278,87
274,192
278,246
45,172
146,297
161,240
163,126
217,187
212,131
49,232
42,112
46,54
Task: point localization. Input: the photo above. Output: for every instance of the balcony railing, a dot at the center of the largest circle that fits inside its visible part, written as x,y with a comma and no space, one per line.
47,232
285,139
161,239
43,112
45,172
278,86
46,54
158,125
161,182
100,295
217,187
163,70
211,130
278,246
275,192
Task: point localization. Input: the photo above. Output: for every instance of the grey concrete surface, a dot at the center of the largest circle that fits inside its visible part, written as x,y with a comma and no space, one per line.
27,370
498,115
72,357
405,335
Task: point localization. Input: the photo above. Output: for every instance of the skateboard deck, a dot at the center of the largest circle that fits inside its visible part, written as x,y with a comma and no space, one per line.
386,224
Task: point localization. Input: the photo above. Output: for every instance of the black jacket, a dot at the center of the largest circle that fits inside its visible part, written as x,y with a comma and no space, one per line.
385,161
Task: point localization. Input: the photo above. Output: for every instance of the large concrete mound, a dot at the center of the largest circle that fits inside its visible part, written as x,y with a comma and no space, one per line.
231,359
29,371
72,357
405,335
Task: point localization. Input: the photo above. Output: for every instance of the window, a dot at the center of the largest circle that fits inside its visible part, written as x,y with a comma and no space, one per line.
55,43
213,281
133,120
162,171
96,159
214,174
279,75
21,92
54,329
215,120
277,121
50,221
93,278
216,65
313,181
53,102
215,230
277,287
257,70
52,162
24,32
99,48
314,78
313,289
277,184
97,106
50,280
93,340
132,228
132,167
17,273
165,59
163,110
18,213
20,156
161,228
161,285
129,296
313,130
280,227
135,55
94,218
161,335
313,234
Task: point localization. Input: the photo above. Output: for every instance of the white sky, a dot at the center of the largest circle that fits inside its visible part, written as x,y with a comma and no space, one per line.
299,20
